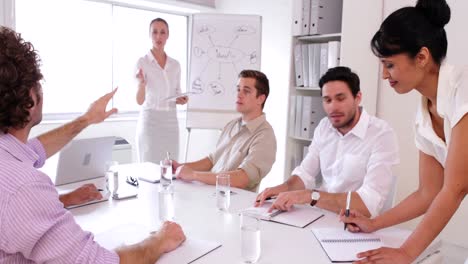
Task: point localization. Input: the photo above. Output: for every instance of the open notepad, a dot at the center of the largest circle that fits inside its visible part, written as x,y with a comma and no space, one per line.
343,246
191,250
299,215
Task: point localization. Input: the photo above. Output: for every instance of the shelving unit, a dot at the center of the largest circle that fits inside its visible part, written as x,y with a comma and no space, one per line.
305,103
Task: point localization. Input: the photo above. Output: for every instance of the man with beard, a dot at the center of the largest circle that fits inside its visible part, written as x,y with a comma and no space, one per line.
353,152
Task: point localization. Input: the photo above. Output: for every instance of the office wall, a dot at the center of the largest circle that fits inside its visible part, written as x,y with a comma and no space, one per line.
276,59
400,110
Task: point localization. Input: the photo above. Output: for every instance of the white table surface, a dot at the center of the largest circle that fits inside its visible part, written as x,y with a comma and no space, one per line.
196,212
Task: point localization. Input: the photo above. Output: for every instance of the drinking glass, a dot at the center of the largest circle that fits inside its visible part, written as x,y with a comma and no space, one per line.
250,238
166,173
223,191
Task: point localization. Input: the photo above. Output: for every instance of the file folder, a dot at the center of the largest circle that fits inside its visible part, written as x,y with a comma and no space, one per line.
325,16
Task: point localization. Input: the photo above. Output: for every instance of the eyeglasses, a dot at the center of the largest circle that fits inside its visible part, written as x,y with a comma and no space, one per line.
132,181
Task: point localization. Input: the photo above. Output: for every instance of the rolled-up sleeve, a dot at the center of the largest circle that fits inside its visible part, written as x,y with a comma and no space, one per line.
379,180
38,227
309,168
260,157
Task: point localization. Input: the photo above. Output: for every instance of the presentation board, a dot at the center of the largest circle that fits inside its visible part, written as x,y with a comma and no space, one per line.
221,46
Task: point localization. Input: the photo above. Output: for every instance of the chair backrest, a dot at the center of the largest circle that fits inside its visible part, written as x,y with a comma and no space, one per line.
390,197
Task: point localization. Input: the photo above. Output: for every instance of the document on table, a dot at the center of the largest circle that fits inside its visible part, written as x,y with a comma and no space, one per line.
343,246
174,97
128,234
298,215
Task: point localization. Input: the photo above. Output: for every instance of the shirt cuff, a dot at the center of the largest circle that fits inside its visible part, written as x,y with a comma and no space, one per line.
373,200
309,181
252,172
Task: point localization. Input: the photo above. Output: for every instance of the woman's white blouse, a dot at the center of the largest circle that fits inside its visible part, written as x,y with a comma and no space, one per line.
160,83
452,105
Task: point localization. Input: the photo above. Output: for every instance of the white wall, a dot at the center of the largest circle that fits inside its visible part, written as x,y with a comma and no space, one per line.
400,110
357,30
276,61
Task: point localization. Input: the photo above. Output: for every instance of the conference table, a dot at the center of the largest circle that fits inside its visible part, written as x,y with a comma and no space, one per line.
195,210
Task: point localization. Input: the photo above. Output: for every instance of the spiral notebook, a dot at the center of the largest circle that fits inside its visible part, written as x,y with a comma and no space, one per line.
343,246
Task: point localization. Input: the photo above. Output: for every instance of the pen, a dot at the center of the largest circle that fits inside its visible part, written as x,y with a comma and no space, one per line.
348,201
267,199
100,190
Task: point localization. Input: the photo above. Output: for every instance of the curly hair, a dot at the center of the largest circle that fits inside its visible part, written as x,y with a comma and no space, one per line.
19,73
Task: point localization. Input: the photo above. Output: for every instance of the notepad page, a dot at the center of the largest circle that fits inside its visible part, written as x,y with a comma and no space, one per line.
343,246
128,234
299,216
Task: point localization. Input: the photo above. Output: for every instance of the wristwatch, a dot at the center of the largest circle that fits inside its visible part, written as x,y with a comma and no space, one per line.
315,197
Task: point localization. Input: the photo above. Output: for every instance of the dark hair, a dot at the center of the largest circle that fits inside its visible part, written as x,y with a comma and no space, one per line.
409,29
261,82
19,73
343,74
158,19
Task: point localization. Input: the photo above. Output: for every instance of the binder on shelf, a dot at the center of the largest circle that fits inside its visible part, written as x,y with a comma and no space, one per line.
325,16
314,64
333,54
306,117
323,59
305,17
298,65
311,58
297,127
292,115
305,65
297,18
317,114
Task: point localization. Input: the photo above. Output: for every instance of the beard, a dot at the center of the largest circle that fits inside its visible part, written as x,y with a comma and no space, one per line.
348,122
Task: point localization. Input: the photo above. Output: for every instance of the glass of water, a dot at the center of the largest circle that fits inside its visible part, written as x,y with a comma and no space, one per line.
166,204
166,172
223,191
250,238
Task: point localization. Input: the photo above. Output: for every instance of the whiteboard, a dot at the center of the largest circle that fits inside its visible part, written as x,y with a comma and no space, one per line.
221,46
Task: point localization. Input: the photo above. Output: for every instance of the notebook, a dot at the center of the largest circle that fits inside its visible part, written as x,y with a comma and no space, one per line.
298,216
128,234
343,246
84,159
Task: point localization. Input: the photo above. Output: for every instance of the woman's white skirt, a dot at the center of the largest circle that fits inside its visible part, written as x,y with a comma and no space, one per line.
157,133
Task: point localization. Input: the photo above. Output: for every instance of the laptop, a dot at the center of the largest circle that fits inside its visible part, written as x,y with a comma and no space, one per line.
84,161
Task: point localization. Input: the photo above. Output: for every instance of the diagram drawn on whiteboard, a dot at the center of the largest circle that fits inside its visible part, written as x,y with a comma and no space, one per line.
219,51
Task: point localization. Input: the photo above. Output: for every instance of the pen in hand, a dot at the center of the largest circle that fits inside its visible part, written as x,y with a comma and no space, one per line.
267,199
348,201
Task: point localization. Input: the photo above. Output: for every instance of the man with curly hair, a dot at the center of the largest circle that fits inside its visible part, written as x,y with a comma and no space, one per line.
34,226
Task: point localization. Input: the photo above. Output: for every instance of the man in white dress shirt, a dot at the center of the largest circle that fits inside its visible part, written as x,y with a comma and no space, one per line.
351,150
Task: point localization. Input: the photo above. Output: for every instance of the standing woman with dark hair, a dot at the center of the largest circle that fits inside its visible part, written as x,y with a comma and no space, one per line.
158,78
412,45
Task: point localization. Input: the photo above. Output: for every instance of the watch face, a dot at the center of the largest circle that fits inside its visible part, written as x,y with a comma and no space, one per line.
315,195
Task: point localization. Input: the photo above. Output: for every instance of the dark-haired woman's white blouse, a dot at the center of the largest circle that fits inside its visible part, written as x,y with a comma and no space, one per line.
452,105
